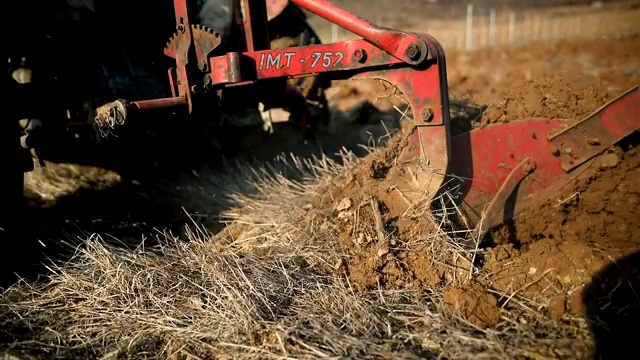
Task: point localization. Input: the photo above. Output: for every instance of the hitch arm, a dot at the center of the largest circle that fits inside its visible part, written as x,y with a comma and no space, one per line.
407,47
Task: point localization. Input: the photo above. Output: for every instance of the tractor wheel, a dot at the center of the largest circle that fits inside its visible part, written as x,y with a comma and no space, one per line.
12,200
291,29
12,190
13,158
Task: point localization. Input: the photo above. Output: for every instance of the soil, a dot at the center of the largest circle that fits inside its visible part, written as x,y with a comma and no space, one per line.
555,256
490,76
564,243
559,95
474,304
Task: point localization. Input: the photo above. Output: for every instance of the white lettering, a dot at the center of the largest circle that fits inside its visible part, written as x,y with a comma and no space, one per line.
340,57
288,56
326,60
273,61
316,57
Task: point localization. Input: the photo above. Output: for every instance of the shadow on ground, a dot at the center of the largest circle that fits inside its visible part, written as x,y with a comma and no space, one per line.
612,308
186,187
190,185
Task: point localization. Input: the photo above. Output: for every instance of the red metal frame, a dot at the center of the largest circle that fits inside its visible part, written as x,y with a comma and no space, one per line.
415,63
484,160
490,163
253,60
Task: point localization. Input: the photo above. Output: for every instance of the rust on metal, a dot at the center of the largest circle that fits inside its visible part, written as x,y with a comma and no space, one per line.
604,128
205,41
496,207
155,104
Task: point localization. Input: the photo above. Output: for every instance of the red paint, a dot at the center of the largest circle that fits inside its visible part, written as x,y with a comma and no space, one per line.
487,156
607,126
300,61
393,42
482,159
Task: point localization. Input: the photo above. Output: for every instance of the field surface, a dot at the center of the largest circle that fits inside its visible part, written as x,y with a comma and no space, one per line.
287,262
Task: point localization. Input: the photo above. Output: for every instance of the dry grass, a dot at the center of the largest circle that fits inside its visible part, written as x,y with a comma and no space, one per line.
54,181
265,287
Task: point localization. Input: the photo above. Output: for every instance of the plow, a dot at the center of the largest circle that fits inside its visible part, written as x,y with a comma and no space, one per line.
493,173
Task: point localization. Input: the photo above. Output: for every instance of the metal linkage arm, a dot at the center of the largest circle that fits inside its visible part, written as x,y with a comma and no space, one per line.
425,86
407,47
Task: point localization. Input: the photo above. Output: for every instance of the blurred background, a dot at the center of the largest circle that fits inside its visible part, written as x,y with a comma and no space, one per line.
469,25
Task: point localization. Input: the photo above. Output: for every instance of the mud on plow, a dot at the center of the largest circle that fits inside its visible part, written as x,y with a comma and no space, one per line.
493,172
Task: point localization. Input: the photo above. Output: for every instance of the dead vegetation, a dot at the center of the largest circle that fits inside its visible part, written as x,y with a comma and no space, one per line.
279,280
268,286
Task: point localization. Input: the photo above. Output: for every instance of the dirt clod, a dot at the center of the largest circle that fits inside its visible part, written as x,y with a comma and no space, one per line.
473,304
344,204
557,307
609,160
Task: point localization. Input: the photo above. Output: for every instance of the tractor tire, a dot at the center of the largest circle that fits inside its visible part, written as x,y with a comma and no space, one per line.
291,29
12,201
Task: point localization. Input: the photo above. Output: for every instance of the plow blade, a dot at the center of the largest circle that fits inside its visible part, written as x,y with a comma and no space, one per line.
501,170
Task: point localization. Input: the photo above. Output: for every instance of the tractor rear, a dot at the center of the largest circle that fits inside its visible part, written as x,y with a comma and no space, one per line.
68,64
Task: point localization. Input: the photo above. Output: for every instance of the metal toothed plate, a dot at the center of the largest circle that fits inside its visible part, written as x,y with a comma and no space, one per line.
205,40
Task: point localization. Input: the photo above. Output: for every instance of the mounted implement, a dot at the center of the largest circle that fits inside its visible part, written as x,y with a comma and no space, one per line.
487,166
484,168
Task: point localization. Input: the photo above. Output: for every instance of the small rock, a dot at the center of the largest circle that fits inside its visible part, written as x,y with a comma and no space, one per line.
383,249
307,207
609,160
344,204
345,215
594,141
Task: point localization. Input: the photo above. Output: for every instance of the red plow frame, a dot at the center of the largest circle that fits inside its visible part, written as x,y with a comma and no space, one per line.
496,172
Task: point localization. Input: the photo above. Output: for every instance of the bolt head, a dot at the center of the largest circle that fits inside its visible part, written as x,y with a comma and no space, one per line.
361,55
413,52
426,114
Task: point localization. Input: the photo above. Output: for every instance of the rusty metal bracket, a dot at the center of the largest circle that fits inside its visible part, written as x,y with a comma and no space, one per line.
495,208
599,131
